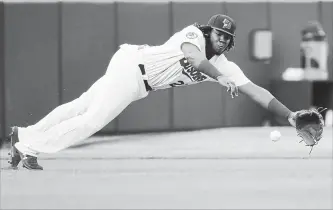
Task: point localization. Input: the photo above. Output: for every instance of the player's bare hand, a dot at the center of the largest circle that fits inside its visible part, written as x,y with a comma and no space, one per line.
231,86
292,118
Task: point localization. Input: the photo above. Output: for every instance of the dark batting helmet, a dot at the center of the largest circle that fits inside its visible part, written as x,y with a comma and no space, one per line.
223,23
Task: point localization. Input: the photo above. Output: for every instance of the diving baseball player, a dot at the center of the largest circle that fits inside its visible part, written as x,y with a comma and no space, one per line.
193,55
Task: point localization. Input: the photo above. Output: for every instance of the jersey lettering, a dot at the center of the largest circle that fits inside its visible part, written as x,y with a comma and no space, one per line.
191,72
179,83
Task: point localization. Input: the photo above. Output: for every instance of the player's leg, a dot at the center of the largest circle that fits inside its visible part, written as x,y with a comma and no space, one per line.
56,116
61,113
108,97
111,96
72,108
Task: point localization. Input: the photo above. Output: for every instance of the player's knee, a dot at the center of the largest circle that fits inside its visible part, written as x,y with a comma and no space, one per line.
95,120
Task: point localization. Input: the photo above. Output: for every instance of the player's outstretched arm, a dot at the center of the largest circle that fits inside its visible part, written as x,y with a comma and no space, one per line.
268,101
198,60
308,123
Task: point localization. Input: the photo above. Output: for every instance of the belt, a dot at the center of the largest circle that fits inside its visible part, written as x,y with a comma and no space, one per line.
143,72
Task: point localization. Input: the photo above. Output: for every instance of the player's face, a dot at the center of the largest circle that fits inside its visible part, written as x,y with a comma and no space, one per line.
220,41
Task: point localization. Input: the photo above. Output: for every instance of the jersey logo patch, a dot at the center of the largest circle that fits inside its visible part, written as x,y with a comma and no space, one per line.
191,35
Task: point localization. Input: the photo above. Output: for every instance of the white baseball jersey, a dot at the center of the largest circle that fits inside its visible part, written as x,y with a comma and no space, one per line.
167,67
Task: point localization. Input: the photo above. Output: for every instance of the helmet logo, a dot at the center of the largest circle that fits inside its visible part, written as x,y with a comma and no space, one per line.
226,24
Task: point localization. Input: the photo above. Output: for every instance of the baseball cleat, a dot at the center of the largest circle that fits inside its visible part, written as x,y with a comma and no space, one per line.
14,154
30,162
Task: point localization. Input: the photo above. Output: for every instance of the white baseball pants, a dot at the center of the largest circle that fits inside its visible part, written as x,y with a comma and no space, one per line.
77,120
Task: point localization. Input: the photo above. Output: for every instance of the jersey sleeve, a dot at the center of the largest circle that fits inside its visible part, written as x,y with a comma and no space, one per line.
237,75
230,70
193,35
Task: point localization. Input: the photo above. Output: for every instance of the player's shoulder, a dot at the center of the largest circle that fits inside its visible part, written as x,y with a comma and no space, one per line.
222,60
228,67
192,32
219,58
232,65
189,33
234,68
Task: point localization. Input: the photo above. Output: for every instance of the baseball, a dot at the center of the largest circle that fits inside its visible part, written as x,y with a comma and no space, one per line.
275,135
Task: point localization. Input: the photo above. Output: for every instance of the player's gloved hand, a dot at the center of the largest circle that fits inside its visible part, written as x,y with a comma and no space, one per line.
231,86
309,125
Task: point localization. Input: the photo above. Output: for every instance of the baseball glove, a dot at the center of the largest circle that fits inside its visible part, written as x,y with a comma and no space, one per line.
309,126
